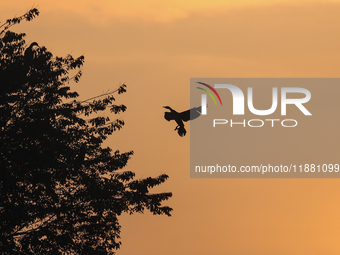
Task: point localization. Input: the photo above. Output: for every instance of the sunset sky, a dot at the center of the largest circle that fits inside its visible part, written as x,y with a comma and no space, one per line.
155,47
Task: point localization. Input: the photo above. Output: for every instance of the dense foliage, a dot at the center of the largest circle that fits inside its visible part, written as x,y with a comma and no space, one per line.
61,191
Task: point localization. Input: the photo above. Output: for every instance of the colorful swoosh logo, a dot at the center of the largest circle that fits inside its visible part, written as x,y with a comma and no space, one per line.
212,89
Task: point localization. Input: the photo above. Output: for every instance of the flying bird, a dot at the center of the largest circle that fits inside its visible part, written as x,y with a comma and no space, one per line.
179,117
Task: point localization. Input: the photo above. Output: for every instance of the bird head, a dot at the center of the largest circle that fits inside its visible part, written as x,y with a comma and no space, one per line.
33,44
29,52
167,107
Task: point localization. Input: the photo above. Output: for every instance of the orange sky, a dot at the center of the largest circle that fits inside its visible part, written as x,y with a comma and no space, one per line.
155,47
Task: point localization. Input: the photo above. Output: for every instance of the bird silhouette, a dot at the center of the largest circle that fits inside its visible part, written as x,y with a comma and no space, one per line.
29,53
179,117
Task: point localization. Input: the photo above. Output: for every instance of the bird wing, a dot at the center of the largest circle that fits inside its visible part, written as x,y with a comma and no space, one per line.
190,114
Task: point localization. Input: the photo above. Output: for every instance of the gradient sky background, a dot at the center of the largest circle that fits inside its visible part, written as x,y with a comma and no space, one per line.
155,47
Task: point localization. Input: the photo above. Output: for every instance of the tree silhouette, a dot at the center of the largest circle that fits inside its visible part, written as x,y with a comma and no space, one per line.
61,191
